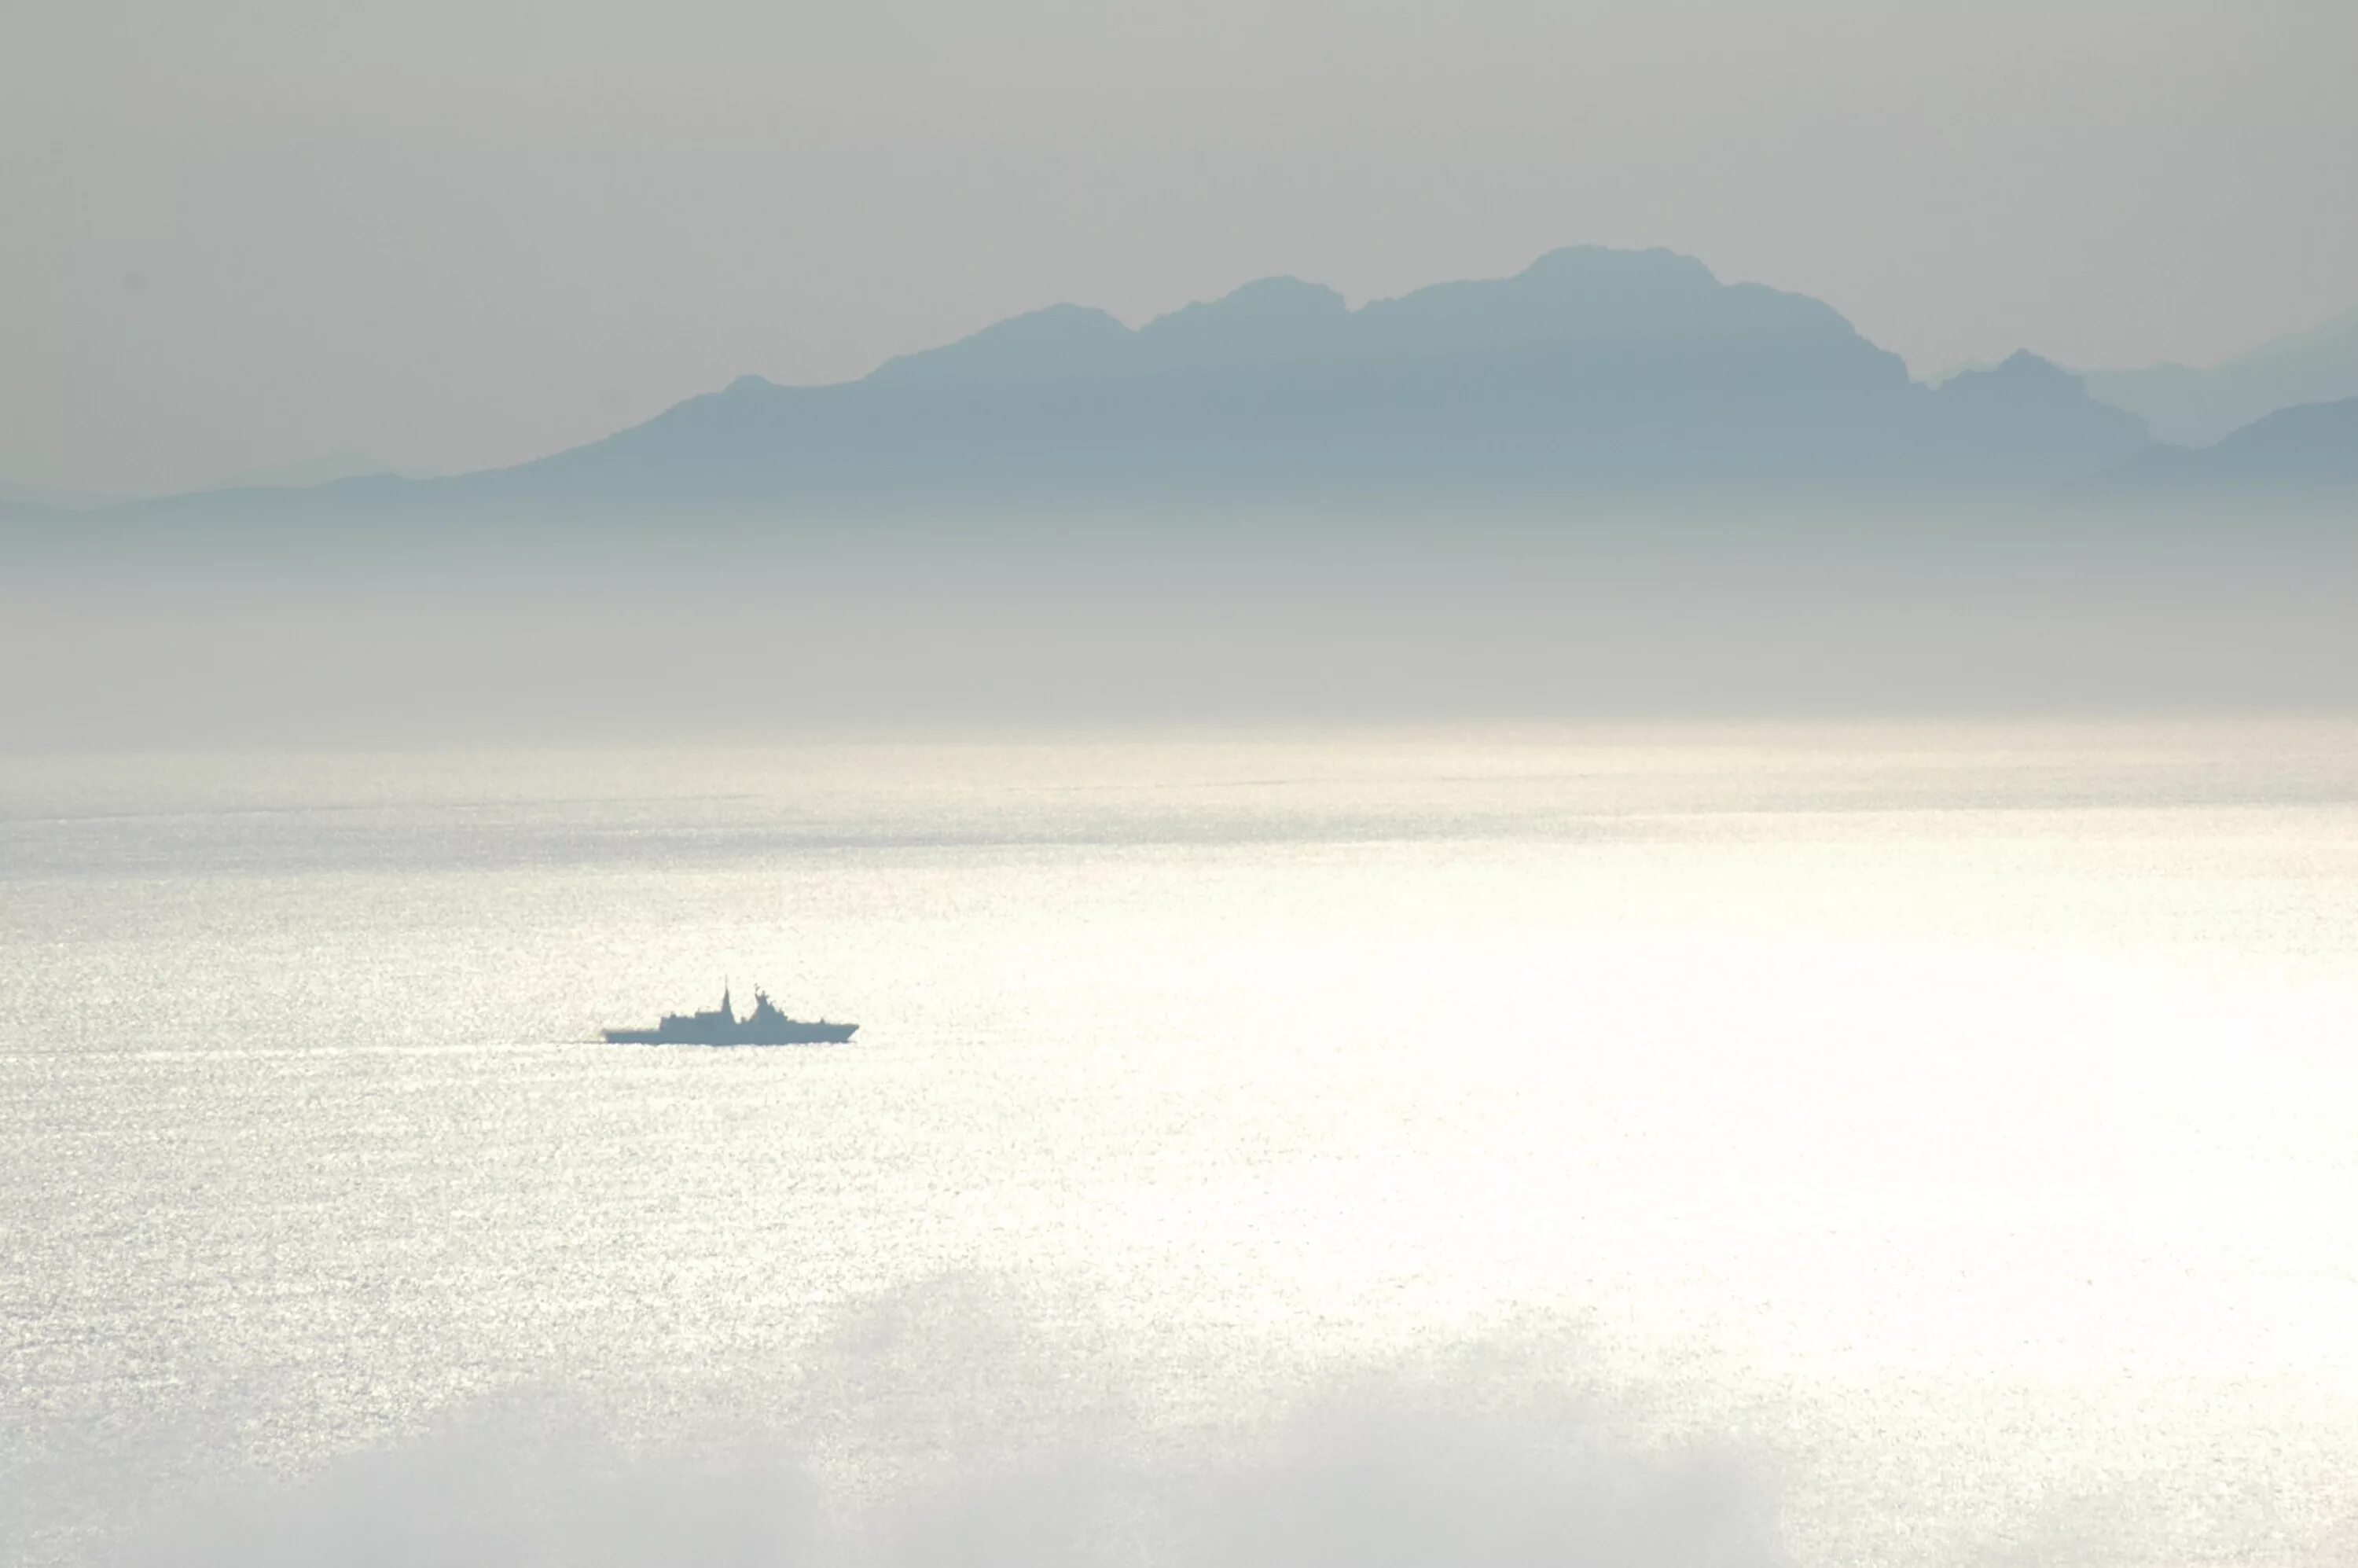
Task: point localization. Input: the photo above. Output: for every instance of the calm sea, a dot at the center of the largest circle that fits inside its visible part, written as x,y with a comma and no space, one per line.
1953,1129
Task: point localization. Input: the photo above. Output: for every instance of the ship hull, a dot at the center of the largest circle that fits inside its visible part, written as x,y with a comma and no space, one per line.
792,1031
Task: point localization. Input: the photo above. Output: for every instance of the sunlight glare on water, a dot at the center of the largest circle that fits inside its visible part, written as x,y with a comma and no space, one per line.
1963,1114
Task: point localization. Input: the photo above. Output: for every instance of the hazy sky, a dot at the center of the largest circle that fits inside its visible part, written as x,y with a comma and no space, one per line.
450,234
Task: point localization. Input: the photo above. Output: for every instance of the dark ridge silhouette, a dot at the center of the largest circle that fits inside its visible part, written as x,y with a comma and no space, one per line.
2308,448
1593,372
1061,342
1594,375
2187,406
1582,296
2042,414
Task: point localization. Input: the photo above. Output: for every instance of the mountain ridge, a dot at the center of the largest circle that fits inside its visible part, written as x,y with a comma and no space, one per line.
2308,446
2195,407
1591,375
1583,294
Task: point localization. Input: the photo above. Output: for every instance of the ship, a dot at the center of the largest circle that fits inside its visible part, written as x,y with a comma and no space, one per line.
765,1025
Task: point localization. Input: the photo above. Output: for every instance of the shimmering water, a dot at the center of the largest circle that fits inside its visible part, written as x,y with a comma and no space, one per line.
1958,1120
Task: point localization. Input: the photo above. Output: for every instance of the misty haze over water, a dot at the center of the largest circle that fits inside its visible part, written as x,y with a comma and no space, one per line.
769,629
1643,1145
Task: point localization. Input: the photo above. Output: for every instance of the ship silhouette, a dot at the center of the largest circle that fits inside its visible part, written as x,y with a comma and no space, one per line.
765,1025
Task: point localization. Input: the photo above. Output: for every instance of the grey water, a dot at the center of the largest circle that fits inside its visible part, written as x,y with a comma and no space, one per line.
1841,1144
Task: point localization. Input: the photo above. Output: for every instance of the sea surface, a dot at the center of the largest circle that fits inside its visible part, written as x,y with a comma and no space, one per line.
1952,1128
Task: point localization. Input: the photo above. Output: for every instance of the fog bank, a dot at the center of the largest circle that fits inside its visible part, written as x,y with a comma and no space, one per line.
764,630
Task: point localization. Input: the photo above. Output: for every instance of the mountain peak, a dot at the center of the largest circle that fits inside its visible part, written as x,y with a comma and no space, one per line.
1268,320
1059,340
1596,294
1262,294
2033,402
2018,370
1588,261
1579,296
